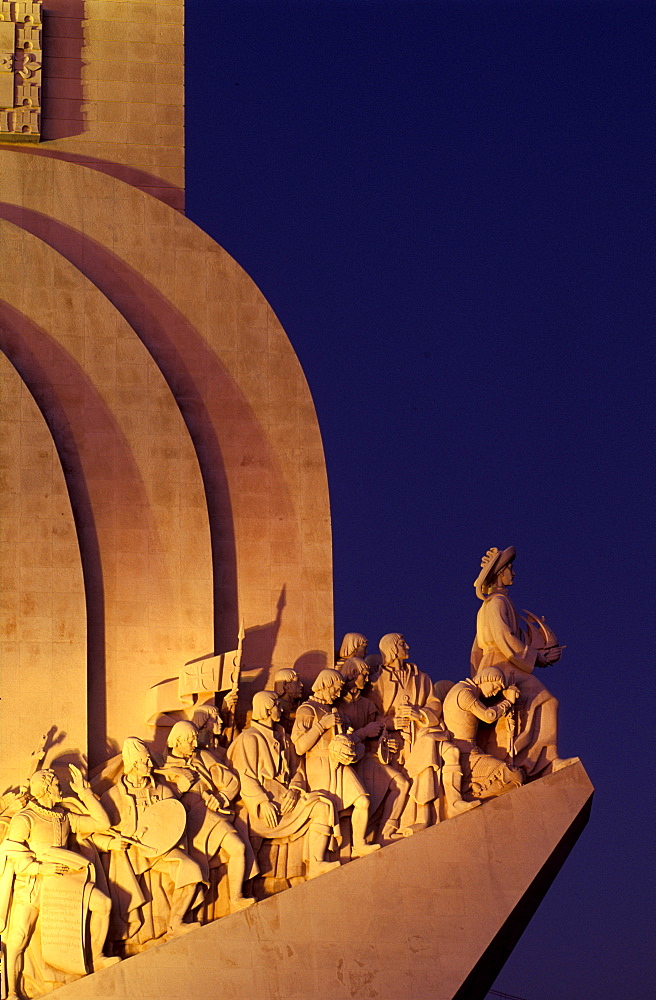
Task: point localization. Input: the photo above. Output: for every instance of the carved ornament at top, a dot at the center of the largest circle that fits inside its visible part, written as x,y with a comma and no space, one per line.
21,59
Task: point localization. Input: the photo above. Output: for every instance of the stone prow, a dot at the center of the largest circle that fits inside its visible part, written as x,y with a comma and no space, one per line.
433,917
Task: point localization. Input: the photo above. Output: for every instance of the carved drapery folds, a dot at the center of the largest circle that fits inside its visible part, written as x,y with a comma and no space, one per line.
201,821
21,59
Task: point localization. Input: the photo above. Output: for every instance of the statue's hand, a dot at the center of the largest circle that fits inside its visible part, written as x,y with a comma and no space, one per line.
53,868
218,802
342,750
269,813
183,778
79,784
511,694
394,744
409,713
290,799
372,729
330,720
119,844
230,700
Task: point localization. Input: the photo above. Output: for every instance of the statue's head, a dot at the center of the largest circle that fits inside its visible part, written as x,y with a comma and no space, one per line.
496,570
208,722
183,738
287,684
374,661
355,672
265,707
328,684
490,681
136,757
393,647
45,785
353,644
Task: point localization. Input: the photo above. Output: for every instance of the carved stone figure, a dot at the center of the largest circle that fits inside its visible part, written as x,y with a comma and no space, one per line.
288,825
353,644
484,776
405,699
386,786
500,642
320,732
209,726
151,890
43,880
207,789
289,688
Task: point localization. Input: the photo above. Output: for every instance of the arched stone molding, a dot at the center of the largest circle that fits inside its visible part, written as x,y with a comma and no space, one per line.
42,618
239,386
132,475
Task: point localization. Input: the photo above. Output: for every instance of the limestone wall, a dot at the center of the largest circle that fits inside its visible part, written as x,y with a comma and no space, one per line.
184,426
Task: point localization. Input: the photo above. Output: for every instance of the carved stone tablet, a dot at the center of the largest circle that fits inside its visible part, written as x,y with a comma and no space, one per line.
64,900
20,70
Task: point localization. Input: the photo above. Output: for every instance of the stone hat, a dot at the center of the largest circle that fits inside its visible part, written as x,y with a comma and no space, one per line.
133,749
492,563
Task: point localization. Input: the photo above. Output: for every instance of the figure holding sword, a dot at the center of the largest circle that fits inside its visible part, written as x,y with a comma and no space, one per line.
148,822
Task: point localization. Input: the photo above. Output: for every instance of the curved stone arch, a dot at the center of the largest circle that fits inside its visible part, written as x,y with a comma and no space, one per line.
42,598
232,371
117,427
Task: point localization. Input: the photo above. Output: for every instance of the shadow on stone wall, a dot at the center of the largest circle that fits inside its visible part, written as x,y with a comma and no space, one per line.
62,96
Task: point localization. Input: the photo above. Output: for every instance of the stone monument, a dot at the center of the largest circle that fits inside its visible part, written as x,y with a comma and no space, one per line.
166,565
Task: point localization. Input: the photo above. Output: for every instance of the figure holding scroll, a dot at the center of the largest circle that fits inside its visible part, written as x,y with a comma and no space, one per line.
35,862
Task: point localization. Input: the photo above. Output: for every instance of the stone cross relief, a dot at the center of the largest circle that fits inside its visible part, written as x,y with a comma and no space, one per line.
20,71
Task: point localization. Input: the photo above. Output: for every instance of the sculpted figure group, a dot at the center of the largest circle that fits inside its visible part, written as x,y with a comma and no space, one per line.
377,752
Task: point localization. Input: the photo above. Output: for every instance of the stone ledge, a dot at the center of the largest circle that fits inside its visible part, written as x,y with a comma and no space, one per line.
432,918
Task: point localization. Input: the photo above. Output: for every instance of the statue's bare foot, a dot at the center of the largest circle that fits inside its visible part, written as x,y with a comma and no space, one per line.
363,849
241,903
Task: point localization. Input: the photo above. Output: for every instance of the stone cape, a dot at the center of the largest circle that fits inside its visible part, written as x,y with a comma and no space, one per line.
306,944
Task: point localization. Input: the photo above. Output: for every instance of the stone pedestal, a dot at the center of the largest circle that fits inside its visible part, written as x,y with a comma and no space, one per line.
430,918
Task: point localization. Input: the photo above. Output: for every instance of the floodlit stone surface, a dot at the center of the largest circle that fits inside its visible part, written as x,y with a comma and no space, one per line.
43,627
114,90
424,918
166,539
238,384
136,490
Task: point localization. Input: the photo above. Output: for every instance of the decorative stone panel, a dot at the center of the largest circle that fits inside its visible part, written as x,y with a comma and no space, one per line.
21,59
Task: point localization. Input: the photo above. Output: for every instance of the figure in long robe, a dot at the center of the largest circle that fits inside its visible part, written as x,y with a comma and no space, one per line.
385,784
320,733
291,828
501,643
412,714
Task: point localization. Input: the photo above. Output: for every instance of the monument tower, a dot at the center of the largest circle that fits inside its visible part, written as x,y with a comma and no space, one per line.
163,482
165,470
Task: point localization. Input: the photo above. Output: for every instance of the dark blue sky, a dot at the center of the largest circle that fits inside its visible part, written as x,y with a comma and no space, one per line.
450,207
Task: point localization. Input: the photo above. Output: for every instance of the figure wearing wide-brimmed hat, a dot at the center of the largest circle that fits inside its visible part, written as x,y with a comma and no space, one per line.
501,642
